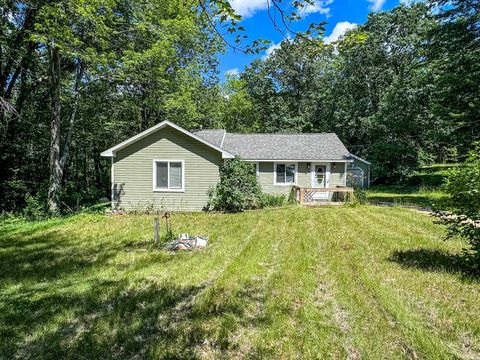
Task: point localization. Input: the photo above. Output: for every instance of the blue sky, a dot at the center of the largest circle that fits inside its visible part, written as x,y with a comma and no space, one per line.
339,14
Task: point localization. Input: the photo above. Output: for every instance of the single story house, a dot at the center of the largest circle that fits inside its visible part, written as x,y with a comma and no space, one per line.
169,167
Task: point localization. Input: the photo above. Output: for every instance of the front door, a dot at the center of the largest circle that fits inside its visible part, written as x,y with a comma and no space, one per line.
320,179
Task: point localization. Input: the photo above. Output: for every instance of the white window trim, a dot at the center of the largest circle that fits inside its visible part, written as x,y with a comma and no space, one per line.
275,173
154,177
257,169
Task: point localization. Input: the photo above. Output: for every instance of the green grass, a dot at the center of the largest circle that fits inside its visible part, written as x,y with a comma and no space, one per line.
430,176
330,282
407,195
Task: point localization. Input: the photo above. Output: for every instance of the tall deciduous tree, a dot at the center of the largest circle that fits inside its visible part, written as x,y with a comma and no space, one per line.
107,69
372,88
454,53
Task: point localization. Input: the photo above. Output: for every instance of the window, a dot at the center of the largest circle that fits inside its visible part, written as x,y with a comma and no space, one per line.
285,173
355,177
168,175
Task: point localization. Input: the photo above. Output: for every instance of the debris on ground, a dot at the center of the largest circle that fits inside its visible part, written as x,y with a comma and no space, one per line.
187,242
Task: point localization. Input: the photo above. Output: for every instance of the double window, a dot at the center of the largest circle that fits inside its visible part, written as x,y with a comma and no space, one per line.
285,173
168,175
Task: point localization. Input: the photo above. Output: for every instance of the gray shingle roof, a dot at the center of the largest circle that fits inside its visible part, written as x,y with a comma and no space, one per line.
321,146
213,136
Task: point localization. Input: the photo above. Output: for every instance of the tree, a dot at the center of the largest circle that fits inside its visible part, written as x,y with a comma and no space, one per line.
373,88
19,77
453,53
463,186
287,87
237,107
73,35
109,69
384,86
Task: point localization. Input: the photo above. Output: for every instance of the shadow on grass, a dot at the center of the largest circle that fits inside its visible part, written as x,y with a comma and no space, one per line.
433,260
61,296
48,256
115,320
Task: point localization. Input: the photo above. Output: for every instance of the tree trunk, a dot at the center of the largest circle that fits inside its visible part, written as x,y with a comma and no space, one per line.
56,171
58,158
76,98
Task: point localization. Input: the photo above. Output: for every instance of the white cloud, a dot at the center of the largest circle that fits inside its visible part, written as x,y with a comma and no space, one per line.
271,49
410,2
338,31
320,7
376,5
247,8
232,72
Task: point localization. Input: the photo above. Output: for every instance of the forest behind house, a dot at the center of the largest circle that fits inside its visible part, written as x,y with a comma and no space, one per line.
76,77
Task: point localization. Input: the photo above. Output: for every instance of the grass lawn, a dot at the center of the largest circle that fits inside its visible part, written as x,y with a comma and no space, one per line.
422,188
332,282
407,195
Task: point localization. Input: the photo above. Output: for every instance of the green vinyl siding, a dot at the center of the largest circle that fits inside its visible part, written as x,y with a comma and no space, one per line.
133,172
337,175
304,178
266,180
266,173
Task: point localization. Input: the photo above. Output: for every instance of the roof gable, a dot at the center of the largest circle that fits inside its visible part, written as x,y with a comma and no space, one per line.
111,152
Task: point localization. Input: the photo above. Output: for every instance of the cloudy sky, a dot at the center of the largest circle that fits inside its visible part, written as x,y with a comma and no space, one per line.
340,15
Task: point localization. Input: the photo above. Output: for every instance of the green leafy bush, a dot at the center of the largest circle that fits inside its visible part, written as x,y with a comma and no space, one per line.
463,186
360,196
35,208
238,189
272,200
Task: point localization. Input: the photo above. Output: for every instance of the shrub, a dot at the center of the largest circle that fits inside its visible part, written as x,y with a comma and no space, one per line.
238,189
463,186
360,196
272,200
35,208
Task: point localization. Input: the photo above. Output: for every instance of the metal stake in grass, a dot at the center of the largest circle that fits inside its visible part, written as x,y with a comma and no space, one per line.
169,234
156,231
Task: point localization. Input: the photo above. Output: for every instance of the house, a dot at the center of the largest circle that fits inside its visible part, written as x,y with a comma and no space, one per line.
167,166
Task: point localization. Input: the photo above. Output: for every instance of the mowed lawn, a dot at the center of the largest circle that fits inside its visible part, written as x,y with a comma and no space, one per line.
331,282
416,196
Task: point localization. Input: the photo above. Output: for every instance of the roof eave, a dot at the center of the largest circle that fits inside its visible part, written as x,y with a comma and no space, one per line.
360,159
111,152
300,160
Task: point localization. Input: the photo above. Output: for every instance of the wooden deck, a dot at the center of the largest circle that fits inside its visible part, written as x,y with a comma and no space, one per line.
320,196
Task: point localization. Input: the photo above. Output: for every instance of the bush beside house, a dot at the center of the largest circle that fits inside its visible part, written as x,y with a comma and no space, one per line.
238,189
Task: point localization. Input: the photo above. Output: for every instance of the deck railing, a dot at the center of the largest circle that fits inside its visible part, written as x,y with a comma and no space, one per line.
319,195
